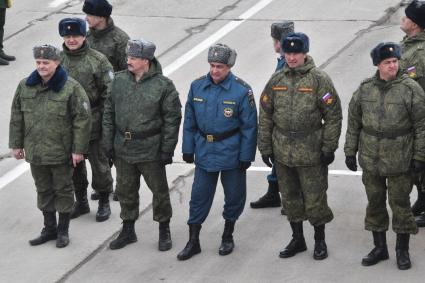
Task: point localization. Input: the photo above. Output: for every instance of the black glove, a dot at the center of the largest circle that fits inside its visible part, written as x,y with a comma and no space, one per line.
351,163
268,159
166,158
243,165
327,157
188,157
418,166
110,154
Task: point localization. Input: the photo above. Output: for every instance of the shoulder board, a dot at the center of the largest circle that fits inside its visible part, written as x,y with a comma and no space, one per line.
242,82
365,81
201,78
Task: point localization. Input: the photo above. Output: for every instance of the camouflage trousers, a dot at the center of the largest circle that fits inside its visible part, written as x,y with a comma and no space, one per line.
303,192
128,184
101,171
399,188
55,191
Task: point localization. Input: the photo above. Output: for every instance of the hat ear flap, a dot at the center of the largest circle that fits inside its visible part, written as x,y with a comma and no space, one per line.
232,58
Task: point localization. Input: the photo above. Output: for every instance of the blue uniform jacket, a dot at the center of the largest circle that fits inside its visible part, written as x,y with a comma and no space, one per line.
280,63
216,109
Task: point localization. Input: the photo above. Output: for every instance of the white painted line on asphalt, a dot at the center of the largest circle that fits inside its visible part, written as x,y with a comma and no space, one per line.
10,176
331,172
57,3
179,62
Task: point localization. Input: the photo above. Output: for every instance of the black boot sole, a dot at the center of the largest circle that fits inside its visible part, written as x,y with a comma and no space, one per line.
165,247
271,204
186,257
286,255
35,242
102,218
320,257
122,245
370,263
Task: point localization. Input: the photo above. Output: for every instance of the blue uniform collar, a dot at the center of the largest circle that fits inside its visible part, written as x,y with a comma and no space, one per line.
224,84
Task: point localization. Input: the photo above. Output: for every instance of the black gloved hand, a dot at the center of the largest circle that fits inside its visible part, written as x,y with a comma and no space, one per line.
268,159
188,157
166,158
243,165
418,166
327,158
351,163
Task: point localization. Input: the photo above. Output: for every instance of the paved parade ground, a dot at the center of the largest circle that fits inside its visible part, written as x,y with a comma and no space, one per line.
342,33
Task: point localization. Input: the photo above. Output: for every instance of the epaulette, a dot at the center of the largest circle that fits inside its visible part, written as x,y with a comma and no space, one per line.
201,78
242,82
365,81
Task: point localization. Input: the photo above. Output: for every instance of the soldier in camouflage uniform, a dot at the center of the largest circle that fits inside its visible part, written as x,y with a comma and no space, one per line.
94,72
103,35
140,131
50,128
299,128
4,58
272,197
412,62
386,125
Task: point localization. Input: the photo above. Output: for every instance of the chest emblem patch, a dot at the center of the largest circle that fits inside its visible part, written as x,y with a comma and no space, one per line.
228,112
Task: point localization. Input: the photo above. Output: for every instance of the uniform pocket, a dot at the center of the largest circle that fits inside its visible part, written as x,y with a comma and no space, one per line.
57,107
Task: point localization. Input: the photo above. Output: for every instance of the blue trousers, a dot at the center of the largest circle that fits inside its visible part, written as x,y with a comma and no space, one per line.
203,190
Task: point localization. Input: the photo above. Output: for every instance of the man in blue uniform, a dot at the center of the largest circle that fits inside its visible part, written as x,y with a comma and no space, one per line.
220,136
272,198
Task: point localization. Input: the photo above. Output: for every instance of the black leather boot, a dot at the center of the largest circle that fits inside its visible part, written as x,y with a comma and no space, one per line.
6,57
320,248
81,206
63,227
49,232
270,199
419,205
192,247
402,251
3,62
227,243
126,236
297,243
379,252
94,195
164,243
103,211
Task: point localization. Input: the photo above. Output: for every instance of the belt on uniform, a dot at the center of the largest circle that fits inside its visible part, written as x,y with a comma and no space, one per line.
387,134
220,136
129,135
298,134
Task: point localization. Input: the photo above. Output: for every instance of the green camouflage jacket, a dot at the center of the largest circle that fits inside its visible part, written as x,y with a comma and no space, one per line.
412,61
50,125
94,72
397,108
300,115
150,104
112,42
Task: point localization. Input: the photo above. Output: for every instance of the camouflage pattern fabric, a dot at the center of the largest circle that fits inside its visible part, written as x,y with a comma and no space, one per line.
111,42
303,192
387,107
128,184
55,191
399,188
300,116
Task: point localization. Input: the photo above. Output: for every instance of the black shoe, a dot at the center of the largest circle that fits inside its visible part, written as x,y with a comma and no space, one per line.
63,227
402,251
379,252
94,195
419,205
3,62
297,243
6,57
126,236
104,210
164,242
81,206
270,199
320,248
227,243
420,221
193,246
49,232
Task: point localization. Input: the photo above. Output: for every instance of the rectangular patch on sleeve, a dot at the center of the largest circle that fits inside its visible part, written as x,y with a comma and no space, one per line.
305,89
411,72
328,98
279,87
198,99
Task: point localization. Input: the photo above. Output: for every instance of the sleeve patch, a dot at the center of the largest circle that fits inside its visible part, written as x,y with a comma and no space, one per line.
328,99
411,72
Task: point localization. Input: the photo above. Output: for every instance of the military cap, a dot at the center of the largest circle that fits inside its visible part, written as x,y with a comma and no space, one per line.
72,26
100,8
141,48
415,11
46,51
295,42
385,50
221,53
280,30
